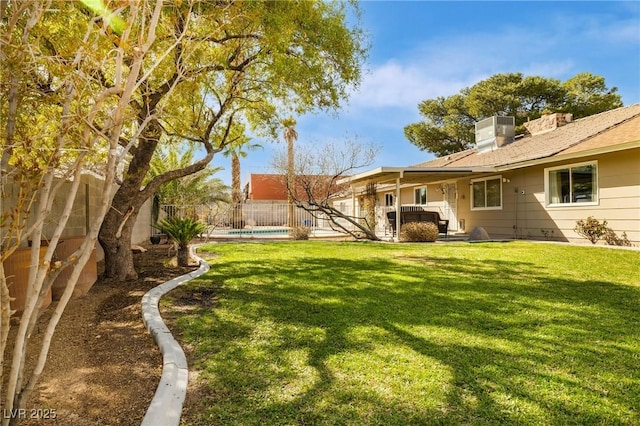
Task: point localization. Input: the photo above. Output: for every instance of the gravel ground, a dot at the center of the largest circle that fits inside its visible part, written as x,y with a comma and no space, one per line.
103,367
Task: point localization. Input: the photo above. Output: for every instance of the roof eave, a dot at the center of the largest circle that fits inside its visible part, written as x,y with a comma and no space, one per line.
570,156
389,174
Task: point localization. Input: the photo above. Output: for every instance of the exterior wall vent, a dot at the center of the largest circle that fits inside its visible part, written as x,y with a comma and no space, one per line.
494,132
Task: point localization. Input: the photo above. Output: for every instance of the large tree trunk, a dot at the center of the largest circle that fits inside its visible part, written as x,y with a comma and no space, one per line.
117,227
118,257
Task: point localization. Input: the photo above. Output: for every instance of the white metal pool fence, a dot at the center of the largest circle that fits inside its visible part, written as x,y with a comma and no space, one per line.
268,219
249,219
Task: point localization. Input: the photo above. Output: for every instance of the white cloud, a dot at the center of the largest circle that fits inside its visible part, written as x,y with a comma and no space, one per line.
602,29
442,66
403,85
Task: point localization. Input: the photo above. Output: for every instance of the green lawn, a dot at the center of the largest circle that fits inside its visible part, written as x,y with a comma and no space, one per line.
361,333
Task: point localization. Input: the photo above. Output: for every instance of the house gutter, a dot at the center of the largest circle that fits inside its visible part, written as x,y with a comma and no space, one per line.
569,156
390,174
398,208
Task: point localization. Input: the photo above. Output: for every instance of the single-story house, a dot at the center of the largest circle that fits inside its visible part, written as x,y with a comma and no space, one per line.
534,186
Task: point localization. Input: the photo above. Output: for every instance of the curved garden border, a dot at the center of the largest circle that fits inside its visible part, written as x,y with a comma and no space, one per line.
166,405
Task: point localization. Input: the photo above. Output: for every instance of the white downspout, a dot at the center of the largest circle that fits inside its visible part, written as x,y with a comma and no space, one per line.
353,200
398,206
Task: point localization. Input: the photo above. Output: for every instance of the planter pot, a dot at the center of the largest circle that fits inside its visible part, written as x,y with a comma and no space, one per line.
16,269
155,239
88,276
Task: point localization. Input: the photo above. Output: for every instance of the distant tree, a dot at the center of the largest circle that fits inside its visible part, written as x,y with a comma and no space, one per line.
448,122
290,135
514,95
447,125
237,150
316,182
587,94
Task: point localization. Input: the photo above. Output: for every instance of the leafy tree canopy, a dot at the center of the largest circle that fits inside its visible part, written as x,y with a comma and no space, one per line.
216,67
448,122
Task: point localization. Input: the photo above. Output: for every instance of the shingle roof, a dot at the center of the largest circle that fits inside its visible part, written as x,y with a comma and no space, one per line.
447,159
609,128
626,132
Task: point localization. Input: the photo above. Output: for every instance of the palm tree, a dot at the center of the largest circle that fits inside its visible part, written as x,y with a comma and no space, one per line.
198,188
182,231
236,150
290,135
183,194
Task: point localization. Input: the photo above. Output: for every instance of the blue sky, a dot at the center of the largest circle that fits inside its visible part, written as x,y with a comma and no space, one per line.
424,49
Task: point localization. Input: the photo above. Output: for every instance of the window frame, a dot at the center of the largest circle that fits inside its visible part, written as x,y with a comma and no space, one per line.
571,203
472,196
389,199
415,198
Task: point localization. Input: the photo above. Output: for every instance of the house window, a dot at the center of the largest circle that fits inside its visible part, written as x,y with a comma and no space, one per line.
420,196
575,184
388,200
486,193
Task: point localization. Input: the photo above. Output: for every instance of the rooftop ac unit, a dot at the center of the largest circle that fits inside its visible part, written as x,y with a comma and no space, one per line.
494,132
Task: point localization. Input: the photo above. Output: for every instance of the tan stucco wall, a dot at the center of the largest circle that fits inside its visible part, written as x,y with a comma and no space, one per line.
83,212
434,195
525,215
142,228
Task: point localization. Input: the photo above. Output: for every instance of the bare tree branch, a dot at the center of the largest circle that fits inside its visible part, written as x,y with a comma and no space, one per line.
315,187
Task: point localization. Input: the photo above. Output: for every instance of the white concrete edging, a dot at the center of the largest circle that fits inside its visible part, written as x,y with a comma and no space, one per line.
166,405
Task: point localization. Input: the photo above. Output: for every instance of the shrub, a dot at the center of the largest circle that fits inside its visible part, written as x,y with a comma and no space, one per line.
182,231
300,232
419,232
613,240
591,229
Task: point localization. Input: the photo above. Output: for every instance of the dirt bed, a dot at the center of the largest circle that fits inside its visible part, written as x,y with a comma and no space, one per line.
103,366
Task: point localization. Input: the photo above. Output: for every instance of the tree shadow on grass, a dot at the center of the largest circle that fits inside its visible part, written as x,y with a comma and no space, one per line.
514,343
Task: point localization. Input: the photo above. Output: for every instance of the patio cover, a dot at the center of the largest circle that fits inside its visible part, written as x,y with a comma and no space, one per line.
410,175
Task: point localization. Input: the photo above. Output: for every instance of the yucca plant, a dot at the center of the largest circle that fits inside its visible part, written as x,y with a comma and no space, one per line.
182,231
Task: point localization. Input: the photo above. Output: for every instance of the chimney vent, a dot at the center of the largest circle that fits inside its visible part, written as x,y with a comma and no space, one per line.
547,123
